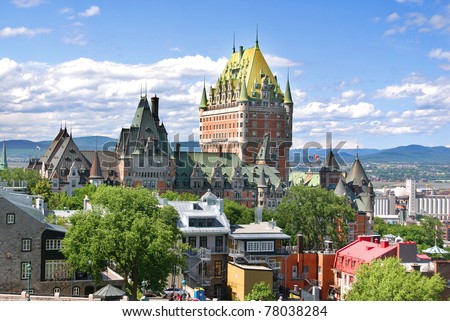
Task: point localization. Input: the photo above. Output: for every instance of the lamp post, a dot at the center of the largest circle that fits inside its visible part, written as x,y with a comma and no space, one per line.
29,278
183,290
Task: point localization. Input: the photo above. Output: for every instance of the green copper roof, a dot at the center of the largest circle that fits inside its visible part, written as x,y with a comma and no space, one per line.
204,100
287,94
243,97
251,66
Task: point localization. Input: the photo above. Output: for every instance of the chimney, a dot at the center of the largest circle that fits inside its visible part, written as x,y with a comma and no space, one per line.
258,215
384,244
86,203
300,243
155,111
328,246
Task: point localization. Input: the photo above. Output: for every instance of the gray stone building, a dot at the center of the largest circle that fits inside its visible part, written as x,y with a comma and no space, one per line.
27,238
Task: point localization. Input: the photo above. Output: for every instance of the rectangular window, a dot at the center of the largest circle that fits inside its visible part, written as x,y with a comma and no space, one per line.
56,270
23,270
26,245
203,241
192,241
53,244
253,246
267,246
294,271
10,218
217,268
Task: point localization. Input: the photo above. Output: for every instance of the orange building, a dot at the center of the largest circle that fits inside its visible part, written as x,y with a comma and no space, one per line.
304,270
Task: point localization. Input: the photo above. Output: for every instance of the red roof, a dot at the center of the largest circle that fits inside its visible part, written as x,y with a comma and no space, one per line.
361,252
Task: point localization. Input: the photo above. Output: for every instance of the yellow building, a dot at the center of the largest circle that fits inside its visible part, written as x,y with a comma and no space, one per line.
242,278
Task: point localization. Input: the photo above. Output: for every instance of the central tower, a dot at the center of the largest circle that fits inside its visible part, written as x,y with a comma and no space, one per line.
247,113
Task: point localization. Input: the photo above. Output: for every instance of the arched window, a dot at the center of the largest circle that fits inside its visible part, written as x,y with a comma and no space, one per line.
76,291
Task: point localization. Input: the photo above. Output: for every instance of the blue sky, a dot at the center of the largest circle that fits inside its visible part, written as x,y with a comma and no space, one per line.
373,73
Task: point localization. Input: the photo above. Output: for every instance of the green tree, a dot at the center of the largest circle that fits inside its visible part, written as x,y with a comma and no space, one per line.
260,292
237,213
44,189
388,280
128,229
18,175
316,213
174,196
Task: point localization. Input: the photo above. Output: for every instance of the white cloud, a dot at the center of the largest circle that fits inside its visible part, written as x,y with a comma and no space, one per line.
353,95
410,1
439,21
275,61
9,32
393,17
91,11
27,3
438,53
77,39
65,10
100,97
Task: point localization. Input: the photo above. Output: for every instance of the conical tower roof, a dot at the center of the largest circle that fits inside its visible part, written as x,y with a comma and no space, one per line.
357,174
204,101
96,171
262,179
330,162
340,189
287,94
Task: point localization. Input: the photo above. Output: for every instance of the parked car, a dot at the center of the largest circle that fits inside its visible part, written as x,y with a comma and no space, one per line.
172,291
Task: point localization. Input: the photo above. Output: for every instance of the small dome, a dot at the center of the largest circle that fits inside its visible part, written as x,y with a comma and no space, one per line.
400,191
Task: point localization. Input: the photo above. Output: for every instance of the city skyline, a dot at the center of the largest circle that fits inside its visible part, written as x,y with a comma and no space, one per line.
375,76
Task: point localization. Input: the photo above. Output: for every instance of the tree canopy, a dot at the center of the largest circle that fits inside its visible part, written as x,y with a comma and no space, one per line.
316,213
174,196
425,234
129,231
388,280
260,292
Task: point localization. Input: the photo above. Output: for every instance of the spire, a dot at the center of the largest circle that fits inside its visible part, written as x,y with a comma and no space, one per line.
243,97
234,42
257,44
203,102
4,161
96,171
262,180
287,94
264,151
330,161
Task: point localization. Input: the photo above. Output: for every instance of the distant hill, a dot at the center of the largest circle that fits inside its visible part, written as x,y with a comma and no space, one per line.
411,154
25,149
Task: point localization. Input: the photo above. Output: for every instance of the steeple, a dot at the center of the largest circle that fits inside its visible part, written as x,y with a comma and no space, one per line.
204,100
330,162
287,94
257,44
262,180
264,151
4,161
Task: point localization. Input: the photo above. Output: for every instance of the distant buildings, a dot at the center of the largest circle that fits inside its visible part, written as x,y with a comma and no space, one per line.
68,168
402,204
